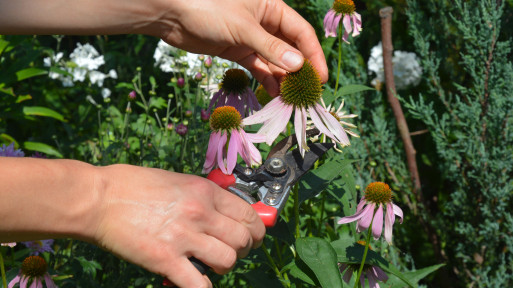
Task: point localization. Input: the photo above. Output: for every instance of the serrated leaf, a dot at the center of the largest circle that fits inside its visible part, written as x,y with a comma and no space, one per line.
42,111
345,90
43,148
29,73
320,256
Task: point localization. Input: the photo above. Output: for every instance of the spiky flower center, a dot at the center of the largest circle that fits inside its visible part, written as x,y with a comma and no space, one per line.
235,81
225,118
34,266
262,96
302,88
378,192
344,6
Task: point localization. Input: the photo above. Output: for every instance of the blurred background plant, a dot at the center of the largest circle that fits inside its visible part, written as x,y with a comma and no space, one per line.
134,99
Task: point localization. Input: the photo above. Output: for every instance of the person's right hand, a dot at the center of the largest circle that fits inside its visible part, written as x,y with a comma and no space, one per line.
158,219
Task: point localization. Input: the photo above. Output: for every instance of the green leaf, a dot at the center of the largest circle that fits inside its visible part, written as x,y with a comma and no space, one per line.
43,148
42,111
7,90
89,266
315,181
346,90
413,276
22,98
320,256
30,72
8,139
3,44
352,253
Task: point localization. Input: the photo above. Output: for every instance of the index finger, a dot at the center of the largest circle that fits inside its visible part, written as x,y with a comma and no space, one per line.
282,19
234,207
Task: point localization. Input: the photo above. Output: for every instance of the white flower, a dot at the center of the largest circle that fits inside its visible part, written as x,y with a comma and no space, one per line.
407,70
85,56
105,93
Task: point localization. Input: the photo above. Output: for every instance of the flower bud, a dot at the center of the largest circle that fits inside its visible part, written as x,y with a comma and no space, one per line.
132,95
208,62
181,129
180,82
198,76
188,113
205,116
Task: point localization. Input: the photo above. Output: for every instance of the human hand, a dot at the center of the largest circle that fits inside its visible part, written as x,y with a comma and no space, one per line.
158,219
267,37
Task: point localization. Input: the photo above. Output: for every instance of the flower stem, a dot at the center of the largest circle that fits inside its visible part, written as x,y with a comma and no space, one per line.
271,261
367,241
2,268
296,210
339,57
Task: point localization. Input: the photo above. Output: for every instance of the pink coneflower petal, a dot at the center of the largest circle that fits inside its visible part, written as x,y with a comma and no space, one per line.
318,123
347,23
24,281
220,152
270,110
333,125
372,280
215,98
398,212
233,147
377,224
15,280
389,222
357,216
366,218
347,275
356,27
328,23
380,274
49,281
211,151
300,127
361,204
250,153
273,128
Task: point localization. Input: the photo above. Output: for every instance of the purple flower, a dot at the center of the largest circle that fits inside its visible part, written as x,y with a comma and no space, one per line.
345,10
39,246
181,129
8,151
235,91
32,274
226,124
373,273
205,116
39,155
377,196
132,95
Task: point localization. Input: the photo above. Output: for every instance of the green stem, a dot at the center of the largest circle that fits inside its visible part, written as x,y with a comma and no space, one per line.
339,57
323,200
271,261
2,268
356,283
296,210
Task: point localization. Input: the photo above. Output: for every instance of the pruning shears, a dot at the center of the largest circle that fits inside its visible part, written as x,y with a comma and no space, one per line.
271,182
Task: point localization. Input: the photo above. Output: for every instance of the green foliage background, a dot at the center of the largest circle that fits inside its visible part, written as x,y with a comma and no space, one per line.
465,157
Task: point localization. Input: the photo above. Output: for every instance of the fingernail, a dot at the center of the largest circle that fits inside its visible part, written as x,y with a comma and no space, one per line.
292,60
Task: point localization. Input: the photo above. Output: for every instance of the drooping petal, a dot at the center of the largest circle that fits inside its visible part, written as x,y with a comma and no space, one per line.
255,137
211,151
24,281
333,125
380,274
49,282
214,99
356,28
366,218
347,23
372,280
356,216
251,154
221,153
274,127
345,36
357,21
377,224
318,123
347,275
233,147
14,281
399,212
328,23
268,112
389,222
300,127
361,204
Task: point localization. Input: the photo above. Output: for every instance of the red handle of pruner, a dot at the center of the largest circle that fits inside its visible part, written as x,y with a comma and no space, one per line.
268,214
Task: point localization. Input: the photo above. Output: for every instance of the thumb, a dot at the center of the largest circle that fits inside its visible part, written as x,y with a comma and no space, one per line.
273,49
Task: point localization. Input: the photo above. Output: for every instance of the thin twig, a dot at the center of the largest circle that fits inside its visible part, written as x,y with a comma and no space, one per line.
386,35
